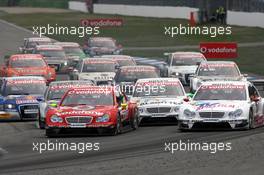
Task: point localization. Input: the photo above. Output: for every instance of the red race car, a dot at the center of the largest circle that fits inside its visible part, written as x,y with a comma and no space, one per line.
95,108
27,65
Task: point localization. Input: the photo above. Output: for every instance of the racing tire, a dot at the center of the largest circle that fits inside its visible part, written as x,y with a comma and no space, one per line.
251,124
118,128
134,121
41,124
51,133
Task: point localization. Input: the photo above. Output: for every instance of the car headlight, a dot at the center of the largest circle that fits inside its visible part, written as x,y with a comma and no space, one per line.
188,113
176,109
10,106
140,110
236,113
56,119
104,118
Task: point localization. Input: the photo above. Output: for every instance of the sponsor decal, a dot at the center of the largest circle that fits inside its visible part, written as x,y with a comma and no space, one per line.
56,87
222,86
138,69
98,62
26,81
106,22
219,49
81,113
206,105
22,101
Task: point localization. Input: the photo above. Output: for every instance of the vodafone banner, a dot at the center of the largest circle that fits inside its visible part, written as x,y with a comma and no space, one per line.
219,49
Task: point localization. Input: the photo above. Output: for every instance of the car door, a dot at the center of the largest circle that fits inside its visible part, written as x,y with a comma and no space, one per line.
258,105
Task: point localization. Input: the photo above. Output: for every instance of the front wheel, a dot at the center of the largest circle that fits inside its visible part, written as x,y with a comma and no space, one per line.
134,121
251,124
118,128
51,133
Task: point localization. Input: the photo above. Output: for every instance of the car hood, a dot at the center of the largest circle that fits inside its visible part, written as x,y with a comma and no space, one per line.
184,69
83,110
217,105
97,76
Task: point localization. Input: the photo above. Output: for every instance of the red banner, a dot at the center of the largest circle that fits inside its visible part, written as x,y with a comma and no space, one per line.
219,49
110,22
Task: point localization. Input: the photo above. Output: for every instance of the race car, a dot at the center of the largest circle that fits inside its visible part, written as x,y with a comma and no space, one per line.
215,71
122,60
97,108
100,70
127,76
54,56
219,104
73,51
19,97
102,46
158,98
53,95
31,43
27,65
182,64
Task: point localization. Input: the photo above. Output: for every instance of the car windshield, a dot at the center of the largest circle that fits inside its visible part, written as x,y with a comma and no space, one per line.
91,99
133,75
25,87
52,53
186,61
102,43
34,44
56,91
162,90
98,66
27,63
229,70
73,51
216,92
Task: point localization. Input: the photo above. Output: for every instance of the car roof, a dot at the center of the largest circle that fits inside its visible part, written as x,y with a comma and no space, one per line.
49,47
67,44
208,83
137,67
55,83
39,39
98,59
187,53
118,57
100,89
158,80
218,62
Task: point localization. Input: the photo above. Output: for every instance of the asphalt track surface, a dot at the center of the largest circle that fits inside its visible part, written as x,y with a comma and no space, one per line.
138,152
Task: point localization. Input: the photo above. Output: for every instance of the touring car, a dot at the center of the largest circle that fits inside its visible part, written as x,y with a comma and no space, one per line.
31,43
100,70
27,65
122,60
158,98
102,46
182,64
215,70
231,104
53,95
54,56
127,76
19,97
98,108
73,52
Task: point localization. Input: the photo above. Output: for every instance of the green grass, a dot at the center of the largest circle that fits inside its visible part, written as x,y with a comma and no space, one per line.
147,32
136,31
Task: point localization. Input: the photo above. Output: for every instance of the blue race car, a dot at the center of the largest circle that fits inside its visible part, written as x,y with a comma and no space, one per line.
19,97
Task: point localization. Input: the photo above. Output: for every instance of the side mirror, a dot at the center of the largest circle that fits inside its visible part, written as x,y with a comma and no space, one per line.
123,106
53,104
40,99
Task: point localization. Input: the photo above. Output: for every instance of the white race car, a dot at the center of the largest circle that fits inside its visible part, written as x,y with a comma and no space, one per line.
232,104
182,64
100,70
215,71
158,98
